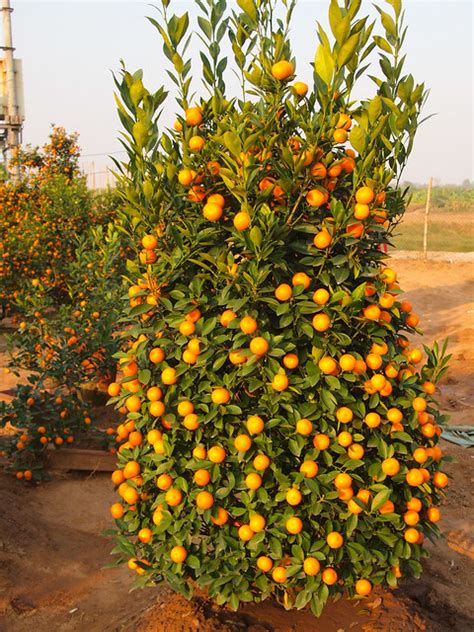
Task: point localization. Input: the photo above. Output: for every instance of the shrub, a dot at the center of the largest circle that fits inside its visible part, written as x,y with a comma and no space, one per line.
282,434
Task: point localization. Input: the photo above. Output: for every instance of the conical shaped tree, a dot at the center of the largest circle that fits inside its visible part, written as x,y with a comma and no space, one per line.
280,438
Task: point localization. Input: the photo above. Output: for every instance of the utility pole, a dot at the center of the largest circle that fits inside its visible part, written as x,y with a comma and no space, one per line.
425,227
13,120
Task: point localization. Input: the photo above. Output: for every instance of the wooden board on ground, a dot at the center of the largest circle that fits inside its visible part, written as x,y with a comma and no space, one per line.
79,459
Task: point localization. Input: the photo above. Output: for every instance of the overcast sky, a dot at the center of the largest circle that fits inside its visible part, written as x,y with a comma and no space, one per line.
69,49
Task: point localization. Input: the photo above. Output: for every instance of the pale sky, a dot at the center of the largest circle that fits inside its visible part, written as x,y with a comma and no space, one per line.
69,49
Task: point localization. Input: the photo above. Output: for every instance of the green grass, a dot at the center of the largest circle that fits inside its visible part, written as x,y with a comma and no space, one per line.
444,235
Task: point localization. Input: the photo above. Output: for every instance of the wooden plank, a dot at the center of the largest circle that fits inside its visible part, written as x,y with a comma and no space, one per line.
79,459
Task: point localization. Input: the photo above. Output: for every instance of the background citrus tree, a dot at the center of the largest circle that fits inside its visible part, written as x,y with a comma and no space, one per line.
61,263
281,435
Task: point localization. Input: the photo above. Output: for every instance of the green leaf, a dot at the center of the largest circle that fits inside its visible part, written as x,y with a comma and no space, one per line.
380,499
233,144
324,64
256,236
358,139
144,376
249,8
347,50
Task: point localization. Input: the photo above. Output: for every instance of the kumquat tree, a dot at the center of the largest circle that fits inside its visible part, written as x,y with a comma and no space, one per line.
282,433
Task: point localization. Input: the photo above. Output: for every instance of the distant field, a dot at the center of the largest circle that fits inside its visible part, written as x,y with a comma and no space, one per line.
450,220
448,230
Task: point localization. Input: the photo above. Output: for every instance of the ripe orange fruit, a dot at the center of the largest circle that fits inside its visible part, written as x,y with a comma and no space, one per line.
222,517
301,278
321,441
364,195
361,211
227,317
185,408
178,554
344,414
156,409
168,376
253,481
363,587
173,497
145,535
304,427
309,468
440,480
411,535
279,575
316,197
355,451
344,438
411,517
327,365
372,420
216,454
280,382
259,346
283,69
220,396
242,220
373,361
343,481
185,177
347,362
372,312
187,328
248,325
255,424
321,322
202,477
321,296
300,88
131,469
291,361
322,239
329,576
293,496
433,514
196,143
294,525
257,523
414,477
261,462
414,504
420,455
419,404
212,212
204,500
242,443
164,481
156,355
264,564
114,389
390,466
311,566
199,452
334,540
133,403
193,116
117,511
283,292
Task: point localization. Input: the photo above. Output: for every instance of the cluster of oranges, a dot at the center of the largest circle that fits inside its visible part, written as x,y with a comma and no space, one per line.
281,432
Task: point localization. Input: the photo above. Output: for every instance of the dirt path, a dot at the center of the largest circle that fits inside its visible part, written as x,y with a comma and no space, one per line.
52,556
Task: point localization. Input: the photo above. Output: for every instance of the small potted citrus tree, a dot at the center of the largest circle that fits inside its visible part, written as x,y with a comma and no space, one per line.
281,434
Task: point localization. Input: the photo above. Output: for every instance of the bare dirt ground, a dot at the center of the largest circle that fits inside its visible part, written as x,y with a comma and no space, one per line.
52,556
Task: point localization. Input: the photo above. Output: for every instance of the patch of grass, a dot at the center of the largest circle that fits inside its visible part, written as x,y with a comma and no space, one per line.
444,234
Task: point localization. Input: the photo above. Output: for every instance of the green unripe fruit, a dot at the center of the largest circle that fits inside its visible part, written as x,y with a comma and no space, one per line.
140,133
